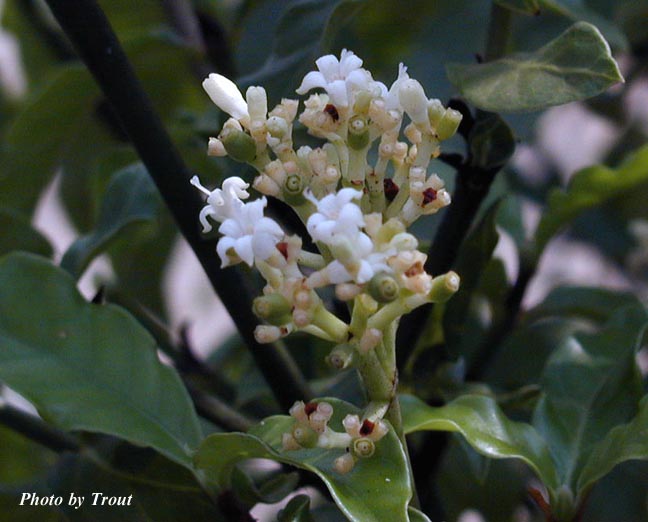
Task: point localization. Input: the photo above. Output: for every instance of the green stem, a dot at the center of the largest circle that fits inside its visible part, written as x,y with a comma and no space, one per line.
91,34
499,32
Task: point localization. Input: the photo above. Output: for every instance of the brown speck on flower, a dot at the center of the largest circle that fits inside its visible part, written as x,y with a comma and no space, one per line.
391,189
283,249
367,427
310,408
429,195
332,112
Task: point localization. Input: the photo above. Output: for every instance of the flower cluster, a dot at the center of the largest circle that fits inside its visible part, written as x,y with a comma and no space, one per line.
356,213
356,194
312,430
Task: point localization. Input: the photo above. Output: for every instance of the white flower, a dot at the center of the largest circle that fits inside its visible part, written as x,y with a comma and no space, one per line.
250,234
338,223
339,78
392,100
226,95
337,216
245,229
222,204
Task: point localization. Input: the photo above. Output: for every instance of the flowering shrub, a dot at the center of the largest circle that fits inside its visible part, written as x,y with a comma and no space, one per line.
387,364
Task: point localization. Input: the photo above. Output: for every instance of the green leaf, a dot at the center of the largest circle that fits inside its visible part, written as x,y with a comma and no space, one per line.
18,234
161,490
574,66
625,442
378,488
85,366
297,510
130,198
269,492
479,419
589,188
476,251
530,7
593,303
416,516
591,384
22,460
38,136
575,10
303,33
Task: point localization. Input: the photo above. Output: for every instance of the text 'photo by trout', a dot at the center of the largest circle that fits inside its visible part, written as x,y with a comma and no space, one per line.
323,261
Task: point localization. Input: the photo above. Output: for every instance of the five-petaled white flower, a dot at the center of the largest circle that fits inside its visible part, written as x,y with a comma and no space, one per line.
338,223
341,79
226,95
245,229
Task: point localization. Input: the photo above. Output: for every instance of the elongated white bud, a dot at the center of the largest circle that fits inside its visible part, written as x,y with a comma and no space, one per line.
226,95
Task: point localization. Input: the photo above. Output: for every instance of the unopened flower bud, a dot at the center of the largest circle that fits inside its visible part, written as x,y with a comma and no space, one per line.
448,124
257,102
277,127
216,148
346,291
352,425
273,308
224,93
369,340
341,356
267,334
358,137
412,98
298,411
364,447
305,435
301,318
444,287
436,111
239,145
289,443
383,288
318,422
325,408
344,464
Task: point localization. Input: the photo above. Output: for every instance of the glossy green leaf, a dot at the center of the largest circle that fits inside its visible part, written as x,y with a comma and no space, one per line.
297,510
377,488
130,198
37,138
625,442
18,234
529,7
591,384
574,66
85,366
479,419
589,188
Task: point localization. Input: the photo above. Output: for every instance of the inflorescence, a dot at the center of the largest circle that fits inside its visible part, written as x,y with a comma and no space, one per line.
357,194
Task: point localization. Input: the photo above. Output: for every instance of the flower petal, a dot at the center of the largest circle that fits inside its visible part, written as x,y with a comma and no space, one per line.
226,95
312,80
